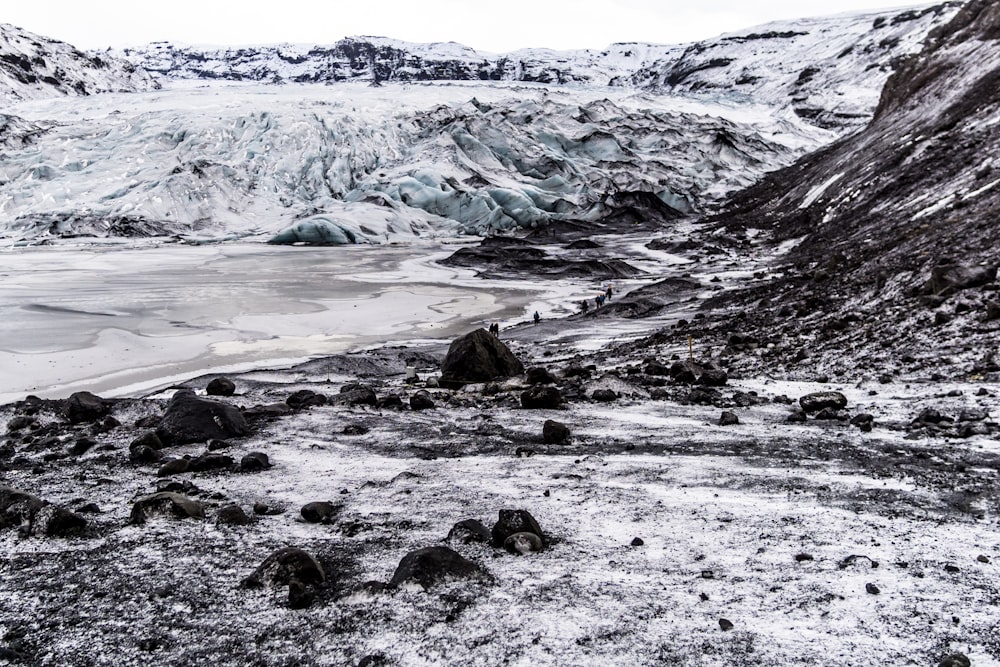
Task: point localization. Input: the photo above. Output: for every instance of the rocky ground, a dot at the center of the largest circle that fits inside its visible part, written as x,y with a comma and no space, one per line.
689,504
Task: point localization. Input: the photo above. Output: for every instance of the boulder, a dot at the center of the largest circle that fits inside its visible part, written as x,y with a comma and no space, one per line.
539,375
523,543
291,567
685,372
421,401
212,461
191,419
713,377
165,503
541,397
477,357
254,462
356,393
320,511
823,399
728,419
221,387
468,531
232,515
431,565
84,407
604,395
511,522
305,398
174,467
555,433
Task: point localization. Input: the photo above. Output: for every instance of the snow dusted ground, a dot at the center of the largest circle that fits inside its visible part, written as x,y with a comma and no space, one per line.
820,544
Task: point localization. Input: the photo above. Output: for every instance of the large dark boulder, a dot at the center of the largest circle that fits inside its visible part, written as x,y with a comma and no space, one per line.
477,357
555,433
822,400
84,407
192,419
431,565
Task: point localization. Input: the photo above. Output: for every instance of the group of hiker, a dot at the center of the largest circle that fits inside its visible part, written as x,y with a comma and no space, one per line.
599,300
495,326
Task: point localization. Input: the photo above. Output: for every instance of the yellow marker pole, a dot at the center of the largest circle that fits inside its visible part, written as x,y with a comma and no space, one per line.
691,348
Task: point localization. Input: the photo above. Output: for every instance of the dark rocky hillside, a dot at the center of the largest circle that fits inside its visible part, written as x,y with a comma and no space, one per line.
894,228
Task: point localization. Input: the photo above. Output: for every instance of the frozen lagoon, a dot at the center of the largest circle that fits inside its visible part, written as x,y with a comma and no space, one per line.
121,321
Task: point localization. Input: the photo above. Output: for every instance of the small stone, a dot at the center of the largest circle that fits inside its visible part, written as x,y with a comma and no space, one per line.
728,419
319,512
637,542
725,624
254,461
523,543
422,401
872,589
801,558
232,515
983,559
953,569
430,565
555,433
355,429
604,395
173,467
955,660
468,531
221,387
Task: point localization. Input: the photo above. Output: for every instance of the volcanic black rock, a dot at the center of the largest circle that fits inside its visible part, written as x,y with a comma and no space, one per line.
431,565
478,357
191,419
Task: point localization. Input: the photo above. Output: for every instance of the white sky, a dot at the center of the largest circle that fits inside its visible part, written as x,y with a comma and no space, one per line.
486,26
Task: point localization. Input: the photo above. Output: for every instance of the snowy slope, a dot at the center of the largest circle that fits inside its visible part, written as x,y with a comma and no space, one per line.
34,67
827,70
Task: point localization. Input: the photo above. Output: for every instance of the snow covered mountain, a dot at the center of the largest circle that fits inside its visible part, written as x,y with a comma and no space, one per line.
829,70
34,67
492,143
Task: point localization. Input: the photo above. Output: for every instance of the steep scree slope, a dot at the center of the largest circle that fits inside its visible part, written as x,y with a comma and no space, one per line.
878,215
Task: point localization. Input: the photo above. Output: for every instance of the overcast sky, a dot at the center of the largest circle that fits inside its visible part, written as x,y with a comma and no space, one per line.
487,26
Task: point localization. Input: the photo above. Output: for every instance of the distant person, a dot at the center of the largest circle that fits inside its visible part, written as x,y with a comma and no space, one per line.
536,317
585,305
608,293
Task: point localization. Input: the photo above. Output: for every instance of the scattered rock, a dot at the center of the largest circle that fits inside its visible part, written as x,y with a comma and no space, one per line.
232,515
391,402
254,462
728,419
191,419
946,279
421,401
803,557
356,393
305,398
514,521
541,398
431,565
983,558
604,395
823,399
165,503
685,372
713,377
637,542
478,357
355,429
212,461
84,406
468,531
319,512
955,660
147,439
539,375
872,589
143,454
221,387
725,624
174,467
555,433
523,543
291,567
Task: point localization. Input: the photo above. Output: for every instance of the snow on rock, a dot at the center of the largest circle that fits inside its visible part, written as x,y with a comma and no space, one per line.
35,67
